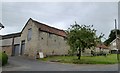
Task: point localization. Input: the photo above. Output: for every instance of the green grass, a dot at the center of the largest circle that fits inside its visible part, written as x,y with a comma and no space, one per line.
110,59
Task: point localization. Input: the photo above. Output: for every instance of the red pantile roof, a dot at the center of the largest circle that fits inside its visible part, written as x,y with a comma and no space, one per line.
102,46
49,29
42,27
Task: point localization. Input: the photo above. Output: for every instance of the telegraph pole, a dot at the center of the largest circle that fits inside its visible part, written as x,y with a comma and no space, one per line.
116,39
116,28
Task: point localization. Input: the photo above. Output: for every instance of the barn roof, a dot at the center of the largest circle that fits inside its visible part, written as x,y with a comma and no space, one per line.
42,27
11,35
102,46
49,29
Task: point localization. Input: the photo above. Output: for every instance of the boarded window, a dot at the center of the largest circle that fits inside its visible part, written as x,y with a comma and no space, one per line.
50,35
29,34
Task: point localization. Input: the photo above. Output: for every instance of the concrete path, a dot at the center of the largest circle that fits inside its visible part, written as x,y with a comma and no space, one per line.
23,64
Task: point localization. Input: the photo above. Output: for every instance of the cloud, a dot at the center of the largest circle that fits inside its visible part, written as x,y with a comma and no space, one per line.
60,15
119,14
60,0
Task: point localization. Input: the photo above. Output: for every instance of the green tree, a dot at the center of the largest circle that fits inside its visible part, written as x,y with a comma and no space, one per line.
81,37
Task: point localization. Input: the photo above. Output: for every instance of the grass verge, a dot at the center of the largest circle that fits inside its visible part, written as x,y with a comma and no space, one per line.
110,59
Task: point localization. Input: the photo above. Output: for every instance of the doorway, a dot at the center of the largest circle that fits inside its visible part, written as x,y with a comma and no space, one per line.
16,50
22,47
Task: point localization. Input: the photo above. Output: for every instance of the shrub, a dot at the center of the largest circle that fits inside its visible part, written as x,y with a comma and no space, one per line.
101,53
4,59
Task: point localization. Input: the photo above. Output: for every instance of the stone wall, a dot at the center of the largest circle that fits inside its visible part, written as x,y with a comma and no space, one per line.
51,44
31,45
7,49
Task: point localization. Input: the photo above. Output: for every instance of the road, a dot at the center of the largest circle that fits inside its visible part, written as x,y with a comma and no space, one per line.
25,64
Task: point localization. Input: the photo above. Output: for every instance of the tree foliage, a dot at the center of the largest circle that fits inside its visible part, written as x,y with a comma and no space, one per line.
80,37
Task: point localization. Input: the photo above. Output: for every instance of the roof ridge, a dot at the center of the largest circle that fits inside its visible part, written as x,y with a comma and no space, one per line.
46,24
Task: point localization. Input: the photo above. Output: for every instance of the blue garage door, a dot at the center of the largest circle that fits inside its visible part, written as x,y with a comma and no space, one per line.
16,49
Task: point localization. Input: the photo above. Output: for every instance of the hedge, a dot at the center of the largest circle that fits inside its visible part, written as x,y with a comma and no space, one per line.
4,58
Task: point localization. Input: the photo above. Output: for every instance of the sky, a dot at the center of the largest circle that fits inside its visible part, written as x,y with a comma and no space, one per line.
119,15
59,14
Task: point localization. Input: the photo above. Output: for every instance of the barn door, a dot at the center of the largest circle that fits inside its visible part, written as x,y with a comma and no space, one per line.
22,47
16,50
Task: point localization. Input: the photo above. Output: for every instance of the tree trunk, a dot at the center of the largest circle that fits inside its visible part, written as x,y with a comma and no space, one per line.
79,54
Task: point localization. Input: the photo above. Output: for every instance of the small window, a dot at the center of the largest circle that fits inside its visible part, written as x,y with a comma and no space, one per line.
59,43
42,38
50,35
29,34
114,44
65,38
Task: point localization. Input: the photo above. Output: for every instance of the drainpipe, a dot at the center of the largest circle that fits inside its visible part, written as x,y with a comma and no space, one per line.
12,47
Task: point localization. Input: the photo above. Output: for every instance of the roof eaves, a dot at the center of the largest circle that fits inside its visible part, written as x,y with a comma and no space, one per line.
11,35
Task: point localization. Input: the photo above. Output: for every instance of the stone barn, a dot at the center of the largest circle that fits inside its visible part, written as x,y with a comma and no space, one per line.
36,37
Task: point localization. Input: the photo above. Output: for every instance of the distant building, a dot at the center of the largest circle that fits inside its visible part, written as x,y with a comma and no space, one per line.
36,37
113,46
118,43
99,48
102,47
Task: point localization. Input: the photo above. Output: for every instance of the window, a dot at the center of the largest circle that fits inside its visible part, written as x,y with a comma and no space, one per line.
29,34
65,38
114,44
42,38
50,35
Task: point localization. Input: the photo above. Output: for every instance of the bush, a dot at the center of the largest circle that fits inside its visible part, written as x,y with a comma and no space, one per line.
4,59
101,53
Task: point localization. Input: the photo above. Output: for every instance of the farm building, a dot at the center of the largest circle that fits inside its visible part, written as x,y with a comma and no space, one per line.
35,37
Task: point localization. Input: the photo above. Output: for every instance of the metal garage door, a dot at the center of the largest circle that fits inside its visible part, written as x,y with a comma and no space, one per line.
22,47
16,50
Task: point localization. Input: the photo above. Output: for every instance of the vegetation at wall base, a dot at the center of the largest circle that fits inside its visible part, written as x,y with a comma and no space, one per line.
109,59
3,58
